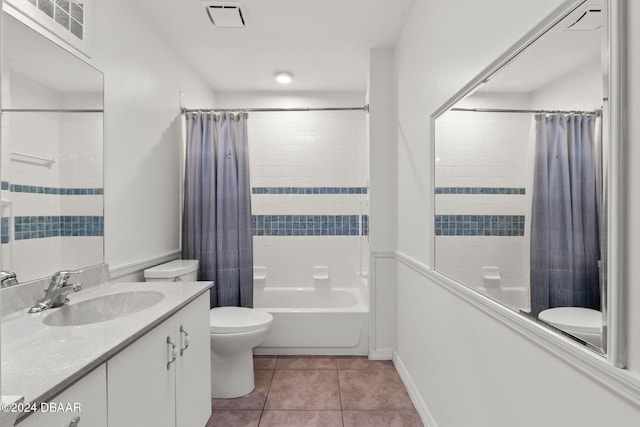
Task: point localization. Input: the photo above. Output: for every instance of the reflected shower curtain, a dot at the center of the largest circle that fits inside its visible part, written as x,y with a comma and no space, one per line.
217,205
565,236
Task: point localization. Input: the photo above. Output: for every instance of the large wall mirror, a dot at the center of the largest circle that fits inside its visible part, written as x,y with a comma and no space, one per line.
51,153
521,166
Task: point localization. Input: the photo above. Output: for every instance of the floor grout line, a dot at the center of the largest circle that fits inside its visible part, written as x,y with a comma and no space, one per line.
338,367
266,396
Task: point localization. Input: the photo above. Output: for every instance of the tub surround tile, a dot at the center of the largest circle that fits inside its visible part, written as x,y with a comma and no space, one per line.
372,389
306,362
310,225
309,190
234,418
304,389
404,418
301,418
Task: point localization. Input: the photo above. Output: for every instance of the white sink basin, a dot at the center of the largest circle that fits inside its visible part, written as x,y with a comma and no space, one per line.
103,308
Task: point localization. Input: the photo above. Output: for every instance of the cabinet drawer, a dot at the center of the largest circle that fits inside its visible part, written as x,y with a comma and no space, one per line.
85,402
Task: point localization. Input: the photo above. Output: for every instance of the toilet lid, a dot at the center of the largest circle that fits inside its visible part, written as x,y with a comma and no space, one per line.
574,319
229,320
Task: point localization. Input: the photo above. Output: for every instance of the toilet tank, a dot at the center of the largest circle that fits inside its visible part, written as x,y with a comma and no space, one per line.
179,270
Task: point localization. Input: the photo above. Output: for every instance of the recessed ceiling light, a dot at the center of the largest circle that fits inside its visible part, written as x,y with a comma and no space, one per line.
284,78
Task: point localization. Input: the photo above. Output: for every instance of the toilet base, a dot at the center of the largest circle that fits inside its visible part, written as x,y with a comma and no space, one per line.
232,374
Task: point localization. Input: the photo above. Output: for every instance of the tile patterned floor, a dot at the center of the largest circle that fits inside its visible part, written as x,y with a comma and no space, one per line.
322,391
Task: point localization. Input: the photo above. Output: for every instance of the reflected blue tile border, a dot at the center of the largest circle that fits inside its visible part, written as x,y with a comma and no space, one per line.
4,230
481,190
480,225
40,227
34,189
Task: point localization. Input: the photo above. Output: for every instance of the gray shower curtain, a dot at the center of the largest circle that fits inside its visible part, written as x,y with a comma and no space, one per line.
217,205
565,235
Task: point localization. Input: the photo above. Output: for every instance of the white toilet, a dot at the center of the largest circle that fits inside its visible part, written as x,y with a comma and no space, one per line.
581,322
234,332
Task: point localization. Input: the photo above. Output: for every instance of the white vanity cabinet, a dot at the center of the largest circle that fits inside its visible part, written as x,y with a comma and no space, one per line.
163,379
82,404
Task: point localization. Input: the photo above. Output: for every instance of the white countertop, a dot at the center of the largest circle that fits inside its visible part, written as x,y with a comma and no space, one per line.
39,361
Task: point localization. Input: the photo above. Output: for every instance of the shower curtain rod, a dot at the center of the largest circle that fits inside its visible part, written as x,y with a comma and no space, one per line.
49,110
267,110
508,110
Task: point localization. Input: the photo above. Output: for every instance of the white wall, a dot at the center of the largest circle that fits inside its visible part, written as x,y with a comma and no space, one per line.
582,86
383,214
465,367
142,125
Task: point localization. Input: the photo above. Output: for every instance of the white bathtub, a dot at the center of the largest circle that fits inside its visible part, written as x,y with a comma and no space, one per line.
314,321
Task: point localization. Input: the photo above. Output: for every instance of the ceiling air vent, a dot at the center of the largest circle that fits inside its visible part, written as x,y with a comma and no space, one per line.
590,20
225,14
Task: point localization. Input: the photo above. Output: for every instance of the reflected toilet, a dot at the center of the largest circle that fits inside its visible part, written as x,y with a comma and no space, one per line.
581,322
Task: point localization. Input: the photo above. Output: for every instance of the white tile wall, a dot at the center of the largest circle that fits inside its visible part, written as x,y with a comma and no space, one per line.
483,150
290,260
75,142
308,149
81,150
463,257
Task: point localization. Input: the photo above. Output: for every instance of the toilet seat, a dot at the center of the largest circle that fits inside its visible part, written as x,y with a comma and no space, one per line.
574,319
232,320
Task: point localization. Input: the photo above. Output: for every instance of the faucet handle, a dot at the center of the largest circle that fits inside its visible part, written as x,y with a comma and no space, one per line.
64,274
67,273
8,278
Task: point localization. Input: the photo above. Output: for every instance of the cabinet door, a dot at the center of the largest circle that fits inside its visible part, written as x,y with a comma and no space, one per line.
193,367
141,387
85,402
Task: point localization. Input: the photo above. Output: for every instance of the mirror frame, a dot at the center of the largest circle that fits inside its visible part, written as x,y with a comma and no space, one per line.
614,135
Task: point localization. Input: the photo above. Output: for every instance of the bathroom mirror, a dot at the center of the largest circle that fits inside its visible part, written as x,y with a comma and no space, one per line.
520,173
51,156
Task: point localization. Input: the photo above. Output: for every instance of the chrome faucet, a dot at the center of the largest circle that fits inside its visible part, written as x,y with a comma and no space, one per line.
56,293
8,278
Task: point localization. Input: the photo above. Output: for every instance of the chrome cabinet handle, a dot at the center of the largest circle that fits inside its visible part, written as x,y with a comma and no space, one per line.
172,353
184,340
75,422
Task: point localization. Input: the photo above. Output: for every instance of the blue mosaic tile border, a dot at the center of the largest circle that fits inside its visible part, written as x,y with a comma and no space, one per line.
479,225
40,227
309,190
17,188
4,230
310,225
480,190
